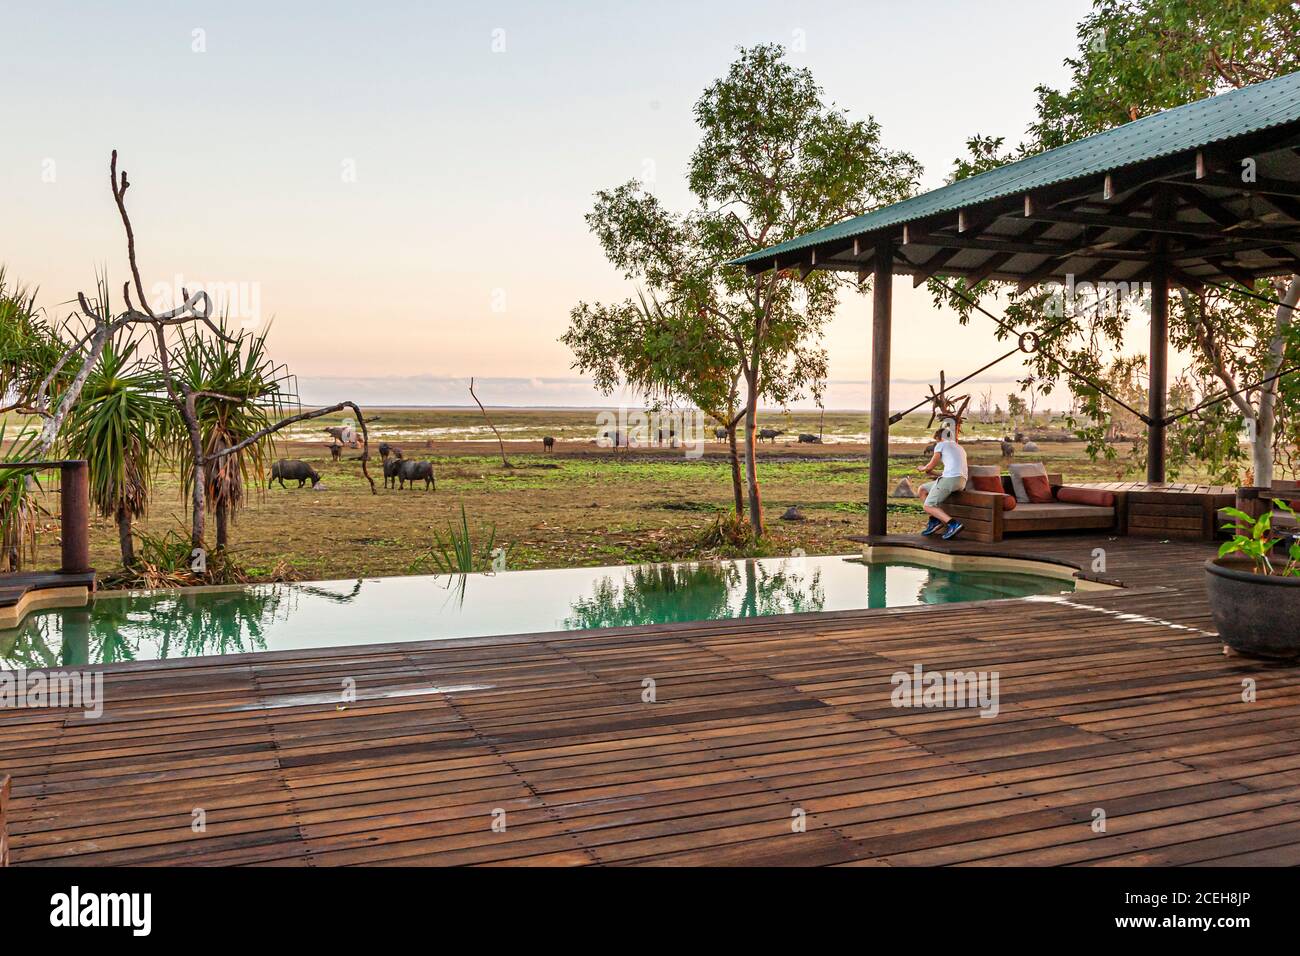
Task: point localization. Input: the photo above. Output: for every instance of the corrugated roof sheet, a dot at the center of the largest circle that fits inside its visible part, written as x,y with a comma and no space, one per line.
1183,128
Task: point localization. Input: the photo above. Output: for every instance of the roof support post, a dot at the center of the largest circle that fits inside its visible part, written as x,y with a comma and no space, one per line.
1159,371
74,499
881,321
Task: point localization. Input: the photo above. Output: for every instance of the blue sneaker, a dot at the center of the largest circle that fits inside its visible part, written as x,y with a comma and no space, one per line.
934,525
954,529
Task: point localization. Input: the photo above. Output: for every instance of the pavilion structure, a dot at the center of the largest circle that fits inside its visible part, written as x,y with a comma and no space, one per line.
1203,194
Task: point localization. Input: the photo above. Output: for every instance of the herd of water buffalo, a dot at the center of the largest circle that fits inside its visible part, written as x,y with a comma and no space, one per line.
399,470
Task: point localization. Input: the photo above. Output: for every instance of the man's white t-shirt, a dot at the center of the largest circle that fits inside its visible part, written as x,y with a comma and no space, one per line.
954,459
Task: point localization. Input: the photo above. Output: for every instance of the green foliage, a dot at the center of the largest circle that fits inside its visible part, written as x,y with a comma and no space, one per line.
20,510
455,553
1137,57
774,161
118,425
1255,539
239,391
29,347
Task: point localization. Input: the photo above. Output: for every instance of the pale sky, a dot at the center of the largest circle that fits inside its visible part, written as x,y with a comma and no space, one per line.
402,184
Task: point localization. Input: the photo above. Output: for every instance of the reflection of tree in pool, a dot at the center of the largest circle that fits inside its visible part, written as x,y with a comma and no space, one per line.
662,593
159,625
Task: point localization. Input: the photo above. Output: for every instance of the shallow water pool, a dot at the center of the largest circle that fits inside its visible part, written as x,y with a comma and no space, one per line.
205,621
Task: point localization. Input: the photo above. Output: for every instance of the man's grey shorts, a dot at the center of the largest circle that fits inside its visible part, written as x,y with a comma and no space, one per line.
941,489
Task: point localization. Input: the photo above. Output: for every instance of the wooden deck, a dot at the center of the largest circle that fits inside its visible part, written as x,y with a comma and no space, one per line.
1114,701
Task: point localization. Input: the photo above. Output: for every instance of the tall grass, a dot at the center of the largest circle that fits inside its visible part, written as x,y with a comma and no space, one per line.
455,552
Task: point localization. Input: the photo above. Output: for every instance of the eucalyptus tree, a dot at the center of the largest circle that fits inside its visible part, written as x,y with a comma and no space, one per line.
774,161
666,353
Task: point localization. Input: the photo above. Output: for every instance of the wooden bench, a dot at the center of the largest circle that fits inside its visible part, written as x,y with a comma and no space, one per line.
985,518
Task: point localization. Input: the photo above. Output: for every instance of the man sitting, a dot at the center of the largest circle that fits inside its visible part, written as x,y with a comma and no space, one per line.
949,452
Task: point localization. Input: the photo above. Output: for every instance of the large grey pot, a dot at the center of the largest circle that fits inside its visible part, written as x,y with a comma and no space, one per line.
1256,614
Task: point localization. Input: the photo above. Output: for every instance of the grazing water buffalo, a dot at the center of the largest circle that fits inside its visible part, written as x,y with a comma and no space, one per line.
294,470
806,439
548,443
769,434
414,471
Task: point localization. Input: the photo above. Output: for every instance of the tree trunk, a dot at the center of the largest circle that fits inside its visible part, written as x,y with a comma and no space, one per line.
222,521
1261,452
124,541
751,464
737,487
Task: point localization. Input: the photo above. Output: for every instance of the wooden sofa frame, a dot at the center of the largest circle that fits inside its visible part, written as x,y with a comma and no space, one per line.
981,513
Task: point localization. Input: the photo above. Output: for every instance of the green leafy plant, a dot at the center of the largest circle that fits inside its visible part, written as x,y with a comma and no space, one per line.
20,511
455,552
118,425
238,391
1255,539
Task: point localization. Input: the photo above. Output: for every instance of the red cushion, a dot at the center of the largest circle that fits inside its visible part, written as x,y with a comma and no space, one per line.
986,483
1086,496
1009,503
1038,488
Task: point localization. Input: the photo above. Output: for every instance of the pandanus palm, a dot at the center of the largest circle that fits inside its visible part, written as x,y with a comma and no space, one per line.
237,391
118,425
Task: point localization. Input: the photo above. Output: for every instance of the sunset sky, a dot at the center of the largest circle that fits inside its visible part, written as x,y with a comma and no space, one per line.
407,201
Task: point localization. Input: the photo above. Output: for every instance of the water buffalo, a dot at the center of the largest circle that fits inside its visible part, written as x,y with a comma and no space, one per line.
548,443
391,467
335,450
414,471
343,434
806,439
294,470
769,434
720,434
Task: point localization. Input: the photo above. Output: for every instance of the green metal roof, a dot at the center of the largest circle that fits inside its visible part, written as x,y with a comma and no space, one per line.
1181,129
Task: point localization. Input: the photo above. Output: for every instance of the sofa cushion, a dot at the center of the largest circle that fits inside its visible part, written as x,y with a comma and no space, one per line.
1056,509
1086,496
1038,489
981,480
1018,473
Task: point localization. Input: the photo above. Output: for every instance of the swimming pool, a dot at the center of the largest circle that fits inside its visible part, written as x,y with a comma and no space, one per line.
204,621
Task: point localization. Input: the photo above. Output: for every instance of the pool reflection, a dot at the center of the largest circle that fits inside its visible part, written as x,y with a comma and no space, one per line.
203,622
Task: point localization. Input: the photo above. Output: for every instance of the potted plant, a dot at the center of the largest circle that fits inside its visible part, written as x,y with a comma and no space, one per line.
1254,586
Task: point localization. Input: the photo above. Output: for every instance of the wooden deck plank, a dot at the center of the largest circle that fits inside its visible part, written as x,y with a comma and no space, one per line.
1120,700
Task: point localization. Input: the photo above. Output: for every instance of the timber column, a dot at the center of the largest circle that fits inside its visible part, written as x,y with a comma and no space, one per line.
1157,383
74,507
881,321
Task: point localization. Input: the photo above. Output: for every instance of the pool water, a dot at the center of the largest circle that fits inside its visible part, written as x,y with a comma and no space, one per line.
197,622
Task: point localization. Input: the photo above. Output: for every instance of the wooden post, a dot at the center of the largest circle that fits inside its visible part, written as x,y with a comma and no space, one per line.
1159,371
74,501
4,814
881,320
